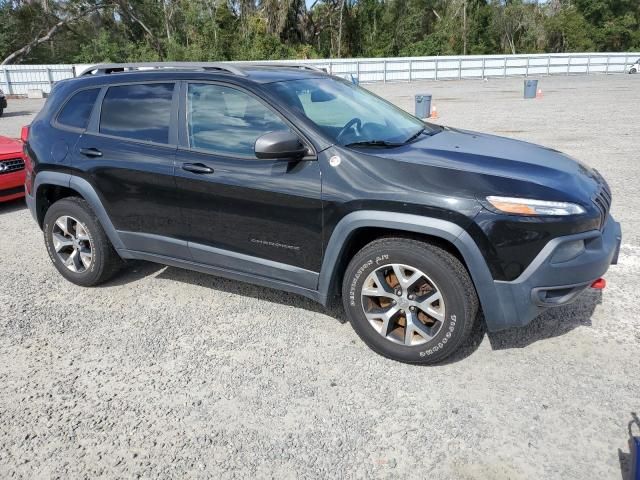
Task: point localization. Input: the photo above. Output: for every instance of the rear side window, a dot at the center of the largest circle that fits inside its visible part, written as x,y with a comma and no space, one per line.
77,110
138,112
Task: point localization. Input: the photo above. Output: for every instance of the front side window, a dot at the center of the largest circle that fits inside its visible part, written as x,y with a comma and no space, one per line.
227,121
347,113
138,112
77,110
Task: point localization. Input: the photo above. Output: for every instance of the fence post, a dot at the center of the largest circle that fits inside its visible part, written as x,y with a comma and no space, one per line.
505,67
436,72
483,66
7,81
410,70
548,64
358,70
50,78
460,68
626,62
330,68
526,74
588,64
606,70
568,65
384,71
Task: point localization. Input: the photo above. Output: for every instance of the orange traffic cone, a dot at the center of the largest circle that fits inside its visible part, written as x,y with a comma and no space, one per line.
434,112
539,93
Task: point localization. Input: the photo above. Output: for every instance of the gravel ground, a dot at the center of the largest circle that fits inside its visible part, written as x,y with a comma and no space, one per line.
170,373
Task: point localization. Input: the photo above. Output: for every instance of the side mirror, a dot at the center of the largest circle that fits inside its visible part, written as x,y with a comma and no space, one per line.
283,145
318,95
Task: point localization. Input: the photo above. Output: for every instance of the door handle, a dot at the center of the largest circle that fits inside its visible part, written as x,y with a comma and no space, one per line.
196,168
90,152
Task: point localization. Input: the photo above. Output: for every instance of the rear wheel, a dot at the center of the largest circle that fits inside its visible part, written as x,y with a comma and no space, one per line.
633,70
77,244
409,300
1,111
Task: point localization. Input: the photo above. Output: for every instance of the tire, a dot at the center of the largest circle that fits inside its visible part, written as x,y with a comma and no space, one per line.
95,261
633,70
440,273
1,111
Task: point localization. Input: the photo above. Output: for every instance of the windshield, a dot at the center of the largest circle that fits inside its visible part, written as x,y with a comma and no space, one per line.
349,114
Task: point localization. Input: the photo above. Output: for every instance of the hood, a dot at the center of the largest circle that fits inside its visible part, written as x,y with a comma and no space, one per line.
10,146
492,155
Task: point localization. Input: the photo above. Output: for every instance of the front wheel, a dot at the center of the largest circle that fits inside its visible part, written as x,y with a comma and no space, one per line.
1,111
409,300
633,70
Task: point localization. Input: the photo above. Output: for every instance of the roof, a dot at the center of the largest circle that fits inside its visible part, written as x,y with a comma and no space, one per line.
261,73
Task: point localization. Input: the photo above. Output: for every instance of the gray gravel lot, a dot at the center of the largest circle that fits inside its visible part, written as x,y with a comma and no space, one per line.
170,373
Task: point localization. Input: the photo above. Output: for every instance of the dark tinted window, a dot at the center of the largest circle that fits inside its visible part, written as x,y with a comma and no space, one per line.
77,110
226,120
140,112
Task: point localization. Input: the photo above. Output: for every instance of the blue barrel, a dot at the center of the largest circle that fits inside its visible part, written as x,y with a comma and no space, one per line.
530,88
635,458
423,105
634,449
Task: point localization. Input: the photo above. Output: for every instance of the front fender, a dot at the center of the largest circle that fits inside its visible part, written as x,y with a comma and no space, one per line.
495,313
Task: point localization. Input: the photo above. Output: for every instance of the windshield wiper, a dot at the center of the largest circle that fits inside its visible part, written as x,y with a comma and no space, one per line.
415,135
374,143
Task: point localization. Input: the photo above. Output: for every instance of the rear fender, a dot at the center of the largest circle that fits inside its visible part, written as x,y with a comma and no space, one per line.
86,191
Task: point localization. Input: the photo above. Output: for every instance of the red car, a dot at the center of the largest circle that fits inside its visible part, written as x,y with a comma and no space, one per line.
11,169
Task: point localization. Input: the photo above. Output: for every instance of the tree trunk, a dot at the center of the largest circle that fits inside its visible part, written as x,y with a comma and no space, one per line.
340,31
464,27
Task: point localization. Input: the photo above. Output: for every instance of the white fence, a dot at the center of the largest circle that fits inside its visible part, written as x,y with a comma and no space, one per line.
18,79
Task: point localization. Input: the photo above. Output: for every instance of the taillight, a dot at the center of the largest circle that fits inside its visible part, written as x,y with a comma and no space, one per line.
28,164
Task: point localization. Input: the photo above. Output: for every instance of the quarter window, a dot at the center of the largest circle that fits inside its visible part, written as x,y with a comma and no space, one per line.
226,120
138,112
77,110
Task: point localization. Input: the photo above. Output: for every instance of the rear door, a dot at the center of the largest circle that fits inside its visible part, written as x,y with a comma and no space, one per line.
262,217
128,154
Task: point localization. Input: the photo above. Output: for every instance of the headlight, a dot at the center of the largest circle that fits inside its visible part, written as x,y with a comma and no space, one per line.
527,206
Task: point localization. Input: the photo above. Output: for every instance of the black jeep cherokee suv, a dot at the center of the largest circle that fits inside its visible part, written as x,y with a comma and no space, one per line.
290,178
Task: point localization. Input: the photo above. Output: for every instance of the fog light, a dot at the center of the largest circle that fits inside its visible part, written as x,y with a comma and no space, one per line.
568,251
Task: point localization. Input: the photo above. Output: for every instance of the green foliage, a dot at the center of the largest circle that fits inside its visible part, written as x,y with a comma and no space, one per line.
139,30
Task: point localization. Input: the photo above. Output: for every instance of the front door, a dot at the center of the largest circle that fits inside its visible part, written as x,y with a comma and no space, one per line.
261,217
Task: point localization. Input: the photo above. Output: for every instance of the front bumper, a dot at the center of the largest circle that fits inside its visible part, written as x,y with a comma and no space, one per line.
548,282
11,185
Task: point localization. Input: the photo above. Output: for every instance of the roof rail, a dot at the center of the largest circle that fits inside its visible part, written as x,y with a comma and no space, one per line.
108,68
300,66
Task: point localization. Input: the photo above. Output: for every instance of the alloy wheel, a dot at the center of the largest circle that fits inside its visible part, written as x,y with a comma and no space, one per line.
72,244
403,304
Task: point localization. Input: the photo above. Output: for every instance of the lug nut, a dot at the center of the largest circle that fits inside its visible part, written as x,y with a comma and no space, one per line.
411,297
398,292
413,309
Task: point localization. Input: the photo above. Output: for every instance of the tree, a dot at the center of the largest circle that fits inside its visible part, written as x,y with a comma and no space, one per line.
57,31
